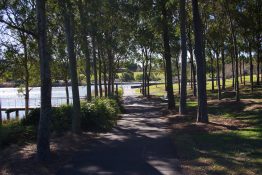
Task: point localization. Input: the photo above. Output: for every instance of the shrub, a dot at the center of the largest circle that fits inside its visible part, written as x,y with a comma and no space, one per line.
153,77
127,76
14,132
60,121
101,114
139,77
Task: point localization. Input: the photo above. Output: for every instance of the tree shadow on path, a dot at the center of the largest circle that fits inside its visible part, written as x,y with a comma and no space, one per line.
139,145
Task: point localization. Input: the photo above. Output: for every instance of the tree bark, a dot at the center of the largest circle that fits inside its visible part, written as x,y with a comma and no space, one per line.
192,62
69,31
1,119
85,48
104,74
24,43
95,65
178,75
233,35
218,77
167,56
251,67
202,115
43,146
223,69
100,73
212,72
183,91
233,69
67,92
240,70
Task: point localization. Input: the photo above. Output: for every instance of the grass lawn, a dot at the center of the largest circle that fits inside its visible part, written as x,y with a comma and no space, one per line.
231,143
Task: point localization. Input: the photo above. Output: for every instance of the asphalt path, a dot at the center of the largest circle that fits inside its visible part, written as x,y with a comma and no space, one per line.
140,144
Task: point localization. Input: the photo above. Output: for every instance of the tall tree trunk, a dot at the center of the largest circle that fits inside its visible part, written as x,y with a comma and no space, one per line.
218,77
233,35
69,31
110,72
67,91
212,73
100,73
43,146
183,91
258,45
244,72
178,75
202,115
258,66
192,62
143,79
149,75
26,75
85,48
164,62
1,119
233,69
104,74
240,70
167,56
251,67
95,65
223,69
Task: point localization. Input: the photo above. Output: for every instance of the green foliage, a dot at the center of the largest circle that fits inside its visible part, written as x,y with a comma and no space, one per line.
139,77
153,77
15,132
101,114
127,76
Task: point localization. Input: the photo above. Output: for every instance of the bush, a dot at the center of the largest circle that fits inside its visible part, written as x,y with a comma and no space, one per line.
14,132
127,76
101,114
139,77
153,77
60,121
98,115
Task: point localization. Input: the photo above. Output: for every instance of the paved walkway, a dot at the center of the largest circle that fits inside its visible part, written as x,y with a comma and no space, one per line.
139,145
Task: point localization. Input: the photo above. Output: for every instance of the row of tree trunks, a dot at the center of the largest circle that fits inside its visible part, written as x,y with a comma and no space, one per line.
167,56
69,31
95,65
146,66
85,48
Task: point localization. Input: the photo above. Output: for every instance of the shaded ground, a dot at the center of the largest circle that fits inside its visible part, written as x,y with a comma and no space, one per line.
139,145
231,143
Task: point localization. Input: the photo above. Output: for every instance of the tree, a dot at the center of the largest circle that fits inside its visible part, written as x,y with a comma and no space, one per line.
43,146
167,56
202,115
85,46
183,91
66,8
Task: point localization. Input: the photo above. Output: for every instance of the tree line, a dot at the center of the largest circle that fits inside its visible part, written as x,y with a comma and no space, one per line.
95,38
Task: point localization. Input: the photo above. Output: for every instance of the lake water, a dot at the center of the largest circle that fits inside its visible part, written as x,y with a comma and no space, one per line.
10,97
